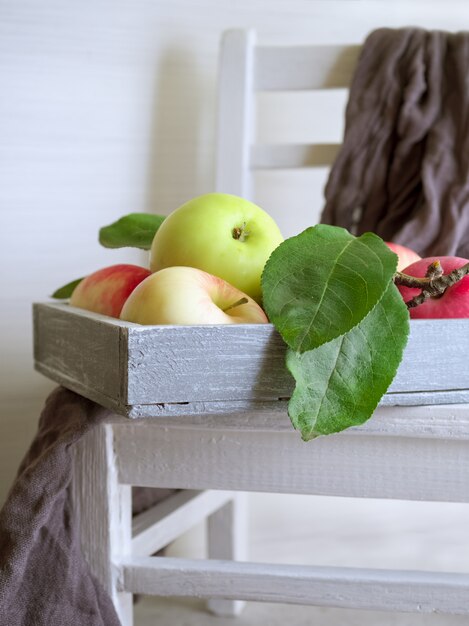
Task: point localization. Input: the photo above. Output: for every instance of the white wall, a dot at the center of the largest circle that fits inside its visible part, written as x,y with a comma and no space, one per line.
107,107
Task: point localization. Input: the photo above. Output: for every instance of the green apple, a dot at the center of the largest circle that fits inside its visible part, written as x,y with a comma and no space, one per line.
221,234
186,295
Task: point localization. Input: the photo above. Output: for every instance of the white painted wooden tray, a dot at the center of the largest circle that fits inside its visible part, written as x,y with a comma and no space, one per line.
149,371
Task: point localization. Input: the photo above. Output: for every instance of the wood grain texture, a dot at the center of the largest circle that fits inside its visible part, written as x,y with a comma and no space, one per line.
206,363
103,507
269,407
151,371
388,590
81,348
422,421
367,466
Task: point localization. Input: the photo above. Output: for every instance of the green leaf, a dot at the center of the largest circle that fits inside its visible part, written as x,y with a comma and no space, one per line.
66,291
339,384
323,282
135,230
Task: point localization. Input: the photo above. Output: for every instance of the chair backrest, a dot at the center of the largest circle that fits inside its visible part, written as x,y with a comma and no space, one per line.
246,71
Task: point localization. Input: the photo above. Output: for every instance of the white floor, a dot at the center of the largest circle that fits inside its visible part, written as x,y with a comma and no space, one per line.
331,531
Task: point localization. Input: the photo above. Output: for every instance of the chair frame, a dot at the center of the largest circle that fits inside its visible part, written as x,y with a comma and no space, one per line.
246,69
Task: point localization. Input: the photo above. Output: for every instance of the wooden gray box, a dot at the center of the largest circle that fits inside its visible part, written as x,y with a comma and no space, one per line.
149,371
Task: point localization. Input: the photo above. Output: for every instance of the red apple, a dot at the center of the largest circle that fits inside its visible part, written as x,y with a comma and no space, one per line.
106,290
405,255
186,295
453,303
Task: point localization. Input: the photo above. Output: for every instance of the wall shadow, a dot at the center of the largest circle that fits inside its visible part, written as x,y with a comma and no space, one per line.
181,156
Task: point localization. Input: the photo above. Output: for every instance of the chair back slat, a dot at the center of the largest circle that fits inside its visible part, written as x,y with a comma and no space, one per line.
235,112
281,68
268,157
257,170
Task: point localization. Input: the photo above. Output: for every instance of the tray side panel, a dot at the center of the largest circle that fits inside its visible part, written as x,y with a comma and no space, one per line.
231,363
166,370
78,351
435,358
206,363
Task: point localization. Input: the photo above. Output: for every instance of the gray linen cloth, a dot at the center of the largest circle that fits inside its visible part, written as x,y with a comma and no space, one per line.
403,169
44,579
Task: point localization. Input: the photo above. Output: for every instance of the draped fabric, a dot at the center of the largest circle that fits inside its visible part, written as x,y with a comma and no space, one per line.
44,579
403,169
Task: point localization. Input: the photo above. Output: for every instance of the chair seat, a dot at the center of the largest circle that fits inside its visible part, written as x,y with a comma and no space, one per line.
393,455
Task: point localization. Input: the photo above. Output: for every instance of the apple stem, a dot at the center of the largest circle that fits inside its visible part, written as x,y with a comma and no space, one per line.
242,300
240,233
433,285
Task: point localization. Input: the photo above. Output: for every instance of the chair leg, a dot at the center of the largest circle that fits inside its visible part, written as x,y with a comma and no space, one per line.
103,507
227,539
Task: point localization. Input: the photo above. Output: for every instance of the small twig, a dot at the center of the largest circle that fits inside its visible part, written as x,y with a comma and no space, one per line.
419,299
434,270
434,284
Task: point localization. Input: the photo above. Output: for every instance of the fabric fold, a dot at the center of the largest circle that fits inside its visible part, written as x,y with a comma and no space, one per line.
403,169
44,578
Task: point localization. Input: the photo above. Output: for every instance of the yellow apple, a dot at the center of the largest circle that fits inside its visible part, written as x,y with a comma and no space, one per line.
219,233
189,296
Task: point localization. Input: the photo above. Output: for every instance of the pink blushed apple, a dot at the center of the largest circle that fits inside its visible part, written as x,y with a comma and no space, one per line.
189,296
453,303
405,255
106,290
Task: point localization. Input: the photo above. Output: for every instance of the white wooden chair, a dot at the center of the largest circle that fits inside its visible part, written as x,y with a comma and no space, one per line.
411,452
